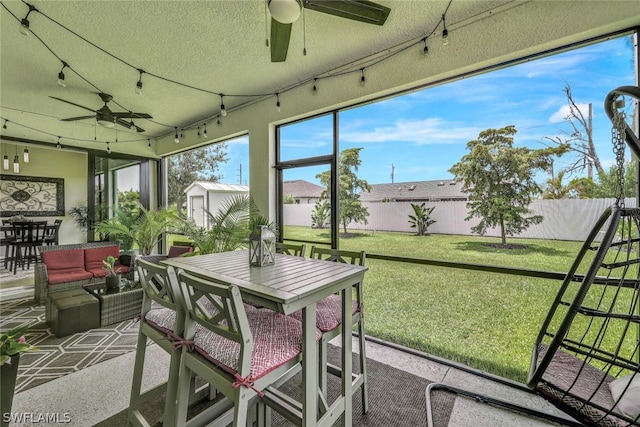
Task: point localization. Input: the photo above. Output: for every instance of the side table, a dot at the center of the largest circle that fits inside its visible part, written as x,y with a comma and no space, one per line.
117,304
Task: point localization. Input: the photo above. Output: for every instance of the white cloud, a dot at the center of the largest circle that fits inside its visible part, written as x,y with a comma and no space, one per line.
420,132
564,111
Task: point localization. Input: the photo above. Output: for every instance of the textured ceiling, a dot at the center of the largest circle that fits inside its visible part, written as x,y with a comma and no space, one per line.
218,46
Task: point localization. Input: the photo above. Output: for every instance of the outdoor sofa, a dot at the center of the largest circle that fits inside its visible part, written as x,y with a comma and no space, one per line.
65,267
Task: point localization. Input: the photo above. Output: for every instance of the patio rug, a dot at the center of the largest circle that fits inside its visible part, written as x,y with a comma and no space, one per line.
57,357
21,278
396,398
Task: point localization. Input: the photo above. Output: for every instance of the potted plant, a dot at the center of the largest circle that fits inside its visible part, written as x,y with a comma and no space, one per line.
113,276
12,344
144,230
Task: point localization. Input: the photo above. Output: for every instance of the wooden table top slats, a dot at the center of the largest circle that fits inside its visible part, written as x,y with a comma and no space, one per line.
290,282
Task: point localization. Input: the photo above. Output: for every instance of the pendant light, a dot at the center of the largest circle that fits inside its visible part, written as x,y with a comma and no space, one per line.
16,162
26,155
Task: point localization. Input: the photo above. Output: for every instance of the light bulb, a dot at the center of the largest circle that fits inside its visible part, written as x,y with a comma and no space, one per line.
425,51
199,132
149,140
132,125
278,103
223,110
5,162
16,164
61,79
4,126
139,87
24,27
175,138
315,87
26,155
205,131
445,37
362,79
108,148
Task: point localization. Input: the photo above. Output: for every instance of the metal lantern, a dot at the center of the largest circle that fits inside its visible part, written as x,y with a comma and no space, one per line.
262,246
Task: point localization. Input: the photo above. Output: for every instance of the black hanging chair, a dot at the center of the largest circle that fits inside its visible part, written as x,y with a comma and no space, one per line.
586,358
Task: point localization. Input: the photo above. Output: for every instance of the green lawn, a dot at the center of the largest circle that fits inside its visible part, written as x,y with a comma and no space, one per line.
485,320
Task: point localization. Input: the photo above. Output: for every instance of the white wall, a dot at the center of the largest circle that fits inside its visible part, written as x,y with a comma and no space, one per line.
57,163
563,219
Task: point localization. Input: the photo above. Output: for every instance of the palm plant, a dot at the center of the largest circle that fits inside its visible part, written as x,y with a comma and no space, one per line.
144,230
421,220
228,228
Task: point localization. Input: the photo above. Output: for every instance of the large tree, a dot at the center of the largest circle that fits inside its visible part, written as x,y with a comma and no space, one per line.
200,164
349,188
499,181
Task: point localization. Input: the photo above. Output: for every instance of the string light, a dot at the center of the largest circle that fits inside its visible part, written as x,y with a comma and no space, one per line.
315,86
108,148
219,123
139,84
58,144
223,111
445,32
278,102
61,82
24,23
176,139
205,131
182,133
425,51
199,132
362,79
5,124
16,162
149,141
26,155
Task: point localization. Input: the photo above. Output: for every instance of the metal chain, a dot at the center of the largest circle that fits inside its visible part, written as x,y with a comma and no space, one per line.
618,141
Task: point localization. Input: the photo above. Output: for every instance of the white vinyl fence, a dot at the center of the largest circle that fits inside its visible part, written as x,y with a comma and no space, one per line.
567,219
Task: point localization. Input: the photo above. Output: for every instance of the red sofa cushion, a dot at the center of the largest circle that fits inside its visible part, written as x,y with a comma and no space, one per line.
93,257
176,251
72,259
63,276
100,272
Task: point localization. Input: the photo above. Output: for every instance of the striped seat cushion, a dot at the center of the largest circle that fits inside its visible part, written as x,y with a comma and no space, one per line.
329,313
163,318
277,339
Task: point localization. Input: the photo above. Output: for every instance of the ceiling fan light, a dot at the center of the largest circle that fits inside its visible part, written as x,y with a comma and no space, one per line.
106,123
285,11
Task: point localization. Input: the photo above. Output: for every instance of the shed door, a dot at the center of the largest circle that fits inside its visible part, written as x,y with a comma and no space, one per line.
197,210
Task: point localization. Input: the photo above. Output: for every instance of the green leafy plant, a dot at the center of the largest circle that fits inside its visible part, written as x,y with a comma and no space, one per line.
79,215
228,228
421,220
144,231
320,214
108,265
12,343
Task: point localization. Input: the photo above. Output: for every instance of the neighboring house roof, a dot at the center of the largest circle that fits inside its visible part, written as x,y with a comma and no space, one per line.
437,190
218,187
301,188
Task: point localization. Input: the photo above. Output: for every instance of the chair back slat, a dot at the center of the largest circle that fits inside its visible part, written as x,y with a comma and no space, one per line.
290,249
338,255
229,321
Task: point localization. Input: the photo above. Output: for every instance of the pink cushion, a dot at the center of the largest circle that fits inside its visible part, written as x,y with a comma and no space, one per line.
176,251
72,259
57,277
329,313
277,340
93,257
100,272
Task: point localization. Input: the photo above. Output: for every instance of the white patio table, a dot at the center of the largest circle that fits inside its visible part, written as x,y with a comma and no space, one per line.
291,284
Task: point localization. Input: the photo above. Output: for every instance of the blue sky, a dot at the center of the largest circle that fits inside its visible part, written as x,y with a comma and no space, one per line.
424,133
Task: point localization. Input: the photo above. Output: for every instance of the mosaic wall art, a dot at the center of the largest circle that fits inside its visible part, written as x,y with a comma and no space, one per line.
31,196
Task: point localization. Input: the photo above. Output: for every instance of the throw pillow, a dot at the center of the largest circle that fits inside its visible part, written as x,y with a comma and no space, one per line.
628,398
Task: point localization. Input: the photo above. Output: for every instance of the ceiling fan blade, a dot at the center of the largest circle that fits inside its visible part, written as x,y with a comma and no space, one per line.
357,10
127,125
280,35
72,103
131,115
78,118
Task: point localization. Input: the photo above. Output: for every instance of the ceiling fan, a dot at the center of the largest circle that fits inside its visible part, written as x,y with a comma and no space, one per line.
105,117
285,12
